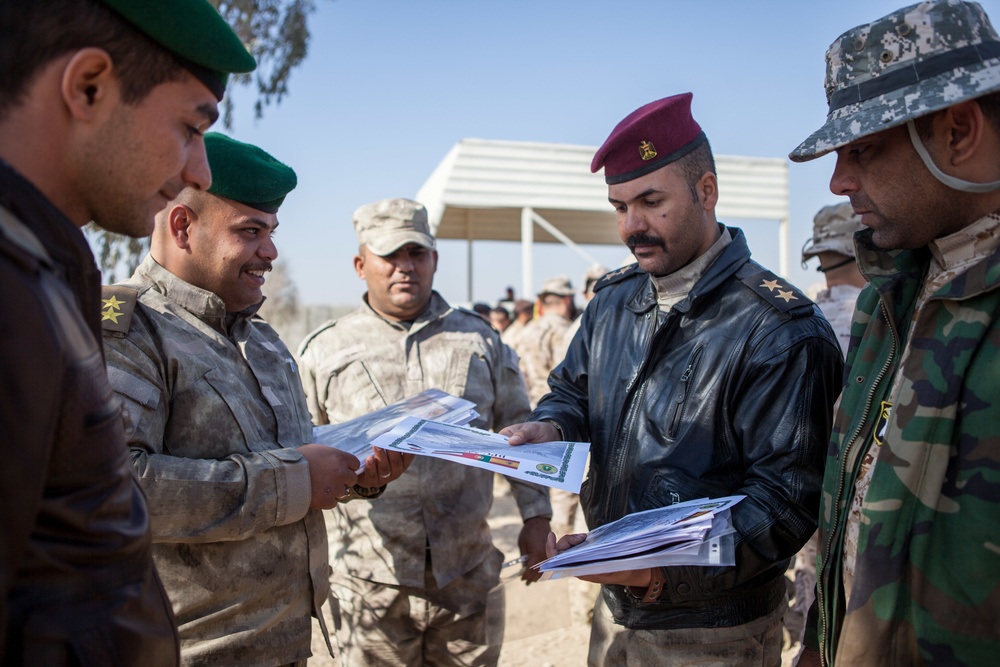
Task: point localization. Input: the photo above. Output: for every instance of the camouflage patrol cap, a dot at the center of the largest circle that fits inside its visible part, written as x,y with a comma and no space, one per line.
915,61
833,231
387,225
193,31
558,285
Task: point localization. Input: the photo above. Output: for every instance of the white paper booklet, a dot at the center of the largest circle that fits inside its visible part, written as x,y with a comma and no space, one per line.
556,464
696,532
356,436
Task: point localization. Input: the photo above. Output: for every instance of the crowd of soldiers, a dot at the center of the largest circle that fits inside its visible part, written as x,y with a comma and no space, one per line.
163,500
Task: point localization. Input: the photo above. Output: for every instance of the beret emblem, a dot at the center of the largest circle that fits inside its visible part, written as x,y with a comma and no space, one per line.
646,150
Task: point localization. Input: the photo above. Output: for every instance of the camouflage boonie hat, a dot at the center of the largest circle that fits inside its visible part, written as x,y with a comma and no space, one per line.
915,61
833,231
593,273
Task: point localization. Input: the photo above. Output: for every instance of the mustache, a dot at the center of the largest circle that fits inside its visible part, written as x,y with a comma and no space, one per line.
266,267
644,239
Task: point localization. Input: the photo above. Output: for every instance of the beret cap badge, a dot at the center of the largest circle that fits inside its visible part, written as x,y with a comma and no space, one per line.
647,151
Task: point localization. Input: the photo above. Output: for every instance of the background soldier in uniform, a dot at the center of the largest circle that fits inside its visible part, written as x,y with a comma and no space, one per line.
218,424
101,110
524,310
413,570
909,570
833,243
541,342
696,373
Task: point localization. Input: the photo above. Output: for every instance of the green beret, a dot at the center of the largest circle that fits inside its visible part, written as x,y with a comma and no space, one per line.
193,31
247,174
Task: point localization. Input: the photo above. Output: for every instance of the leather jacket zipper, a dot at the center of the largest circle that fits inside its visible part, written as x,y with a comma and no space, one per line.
824,620
682,394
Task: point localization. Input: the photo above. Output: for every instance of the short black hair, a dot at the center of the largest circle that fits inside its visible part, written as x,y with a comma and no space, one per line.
696,164
34,32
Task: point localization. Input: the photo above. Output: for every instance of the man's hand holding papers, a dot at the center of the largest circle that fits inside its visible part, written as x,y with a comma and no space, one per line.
623,552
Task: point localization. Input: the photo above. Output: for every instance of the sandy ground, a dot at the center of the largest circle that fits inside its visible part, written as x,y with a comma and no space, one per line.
546,623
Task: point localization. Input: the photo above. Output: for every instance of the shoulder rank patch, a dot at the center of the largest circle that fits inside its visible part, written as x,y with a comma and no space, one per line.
776,291
117,306
615,276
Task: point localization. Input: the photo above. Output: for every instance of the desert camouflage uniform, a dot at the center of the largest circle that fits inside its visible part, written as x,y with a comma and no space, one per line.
213,412
428,530
513,337
927,566
512,334
541,349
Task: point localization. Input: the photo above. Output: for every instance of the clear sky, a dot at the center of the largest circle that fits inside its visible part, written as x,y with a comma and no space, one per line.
389,86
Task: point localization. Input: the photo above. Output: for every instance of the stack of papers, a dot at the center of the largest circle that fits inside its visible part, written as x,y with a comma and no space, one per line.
356,436
697,532
557,464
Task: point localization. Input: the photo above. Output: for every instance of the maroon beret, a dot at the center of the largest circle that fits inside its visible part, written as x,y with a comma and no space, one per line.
650,137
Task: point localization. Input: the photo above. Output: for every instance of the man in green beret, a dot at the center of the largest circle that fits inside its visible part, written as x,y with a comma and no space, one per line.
217,422
102,106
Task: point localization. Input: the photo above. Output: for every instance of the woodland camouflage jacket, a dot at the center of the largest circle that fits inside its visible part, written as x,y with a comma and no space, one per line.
928,562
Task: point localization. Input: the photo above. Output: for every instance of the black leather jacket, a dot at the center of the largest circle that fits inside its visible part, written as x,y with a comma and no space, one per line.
76,570
731,393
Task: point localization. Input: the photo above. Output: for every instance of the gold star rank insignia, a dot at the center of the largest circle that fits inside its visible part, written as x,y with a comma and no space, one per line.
776,292
113,303
117,306
771,285
646,150
787,296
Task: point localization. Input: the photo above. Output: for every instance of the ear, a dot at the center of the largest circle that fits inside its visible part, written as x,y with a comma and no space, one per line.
359,263
708,191
435,254
179,222
962,126
89,85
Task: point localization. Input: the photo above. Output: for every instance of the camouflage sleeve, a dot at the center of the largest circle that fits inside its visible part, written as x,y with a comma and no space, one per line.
197,499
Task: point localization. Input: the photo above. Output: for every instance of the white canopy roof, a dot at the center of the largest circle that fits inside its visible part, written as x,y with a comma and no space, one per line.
502,190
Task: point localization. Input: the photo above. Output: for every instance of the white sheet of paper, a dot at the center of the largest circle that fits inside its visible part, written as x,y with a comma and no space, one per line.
356,435
689,533
557,464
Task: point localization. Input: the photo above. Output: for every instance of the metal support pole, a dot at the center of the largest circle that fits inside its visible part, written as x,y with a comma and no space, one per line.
527,244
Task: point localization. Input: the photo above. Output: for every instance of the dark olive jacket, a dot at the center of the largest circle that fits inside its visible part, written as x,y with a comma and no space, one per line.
77,583
732,392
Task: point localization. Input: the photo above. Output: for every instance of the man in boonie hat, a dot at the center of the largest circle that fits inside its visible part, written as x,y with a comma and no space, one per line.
910,487
413,571
695,373
832,243
101,108
217,422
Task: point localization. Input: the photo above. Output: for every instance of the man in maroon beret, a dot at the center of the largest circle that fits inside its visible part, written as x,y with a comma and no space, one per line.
696,373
